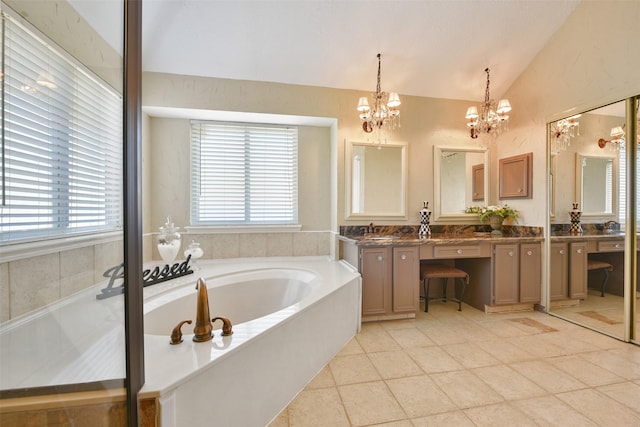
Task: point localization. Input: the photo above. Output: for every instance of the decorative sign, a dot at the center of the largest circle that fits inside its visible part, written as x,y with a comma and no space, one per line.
149,276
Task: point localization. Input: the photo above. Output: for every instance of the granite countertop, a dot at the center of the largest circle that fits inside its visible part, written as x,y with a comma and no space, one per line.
436,239
592,235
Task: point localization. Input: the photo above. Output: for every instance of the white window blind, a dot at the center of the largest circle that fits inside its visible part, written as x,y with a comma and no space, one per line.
243,174
61,142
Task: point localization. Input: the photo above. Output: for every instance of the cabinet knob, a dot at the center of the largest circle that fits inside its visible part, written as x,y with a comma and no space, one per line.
617,245
561,251
510,253
579,251
403,257
379,257
529,253
459,251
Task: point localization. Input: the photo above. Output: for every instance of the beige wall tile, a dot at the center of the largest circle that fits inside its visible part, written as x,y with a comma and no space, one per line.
280,244
76,270
33,283
225,246
305,243
107,255
253,244
5,299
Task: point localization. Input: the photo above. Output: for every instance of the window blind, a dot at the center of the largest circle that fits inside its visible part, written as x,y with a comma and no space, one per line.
243,174
61,142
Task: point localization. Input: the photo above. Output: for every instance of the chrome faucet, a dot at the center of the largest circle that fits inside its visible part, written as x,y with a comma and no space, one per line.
203,328
611,225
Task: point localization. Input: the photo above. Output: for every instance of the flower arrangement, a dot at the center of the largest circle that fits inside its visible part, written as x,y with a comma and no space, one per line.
504,212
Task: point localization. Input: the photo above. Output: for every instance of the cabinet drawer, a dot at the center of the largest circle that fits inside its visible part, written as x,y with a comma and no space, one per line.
456,251
611,246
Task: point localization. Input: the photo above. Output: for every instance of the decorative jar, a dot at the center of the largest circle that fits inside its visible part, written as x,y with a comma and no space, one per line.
169,241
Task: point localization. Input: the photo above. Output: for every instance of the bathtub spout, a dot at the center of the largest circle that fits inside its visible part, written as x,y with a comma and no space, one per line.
203,328
226,326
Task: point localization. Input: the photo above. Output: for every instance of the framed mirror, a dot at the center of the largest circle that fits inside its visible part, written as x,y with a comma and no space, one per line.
597,185
376,180
460,180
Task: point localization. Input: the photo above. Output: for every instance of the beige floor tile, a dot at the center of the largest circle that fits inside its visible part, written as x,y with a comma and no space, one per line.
448,419
627,393
585,371
600,408
420,396
394,364
498,415
356,368
321,407
548,376
616,362
537,346
370,403
470,355
323,379
408,338
433,359
508,383
465,389
282,420
442,333
401,423
376,339
505,351
551,411
352,347
503,328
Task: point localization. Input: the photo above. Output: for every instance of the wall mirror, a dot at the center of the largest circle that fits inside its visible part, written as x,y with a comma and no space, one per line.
376,181
586,165
597,185
460,180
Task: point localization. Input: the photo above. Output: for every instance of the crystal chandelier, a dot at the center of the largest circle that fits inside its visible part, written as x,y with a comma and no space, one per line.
384,114
493,119
565,129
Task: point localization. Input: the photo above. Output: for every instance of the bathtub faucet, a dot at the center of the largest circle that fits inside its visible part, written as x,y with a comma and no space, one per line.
203,328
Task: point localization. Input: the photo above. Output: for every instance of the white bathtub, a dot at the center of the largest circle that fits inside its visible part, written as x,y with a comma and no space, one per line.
290,317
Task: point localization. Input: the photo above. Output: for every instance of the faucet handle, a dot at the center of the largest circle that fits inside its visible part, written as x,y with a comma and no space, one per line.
226,325
176,334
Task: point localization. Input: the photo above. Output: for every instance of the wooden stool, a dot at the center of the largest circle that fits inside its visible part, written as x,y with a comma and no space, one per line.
446,272
593,264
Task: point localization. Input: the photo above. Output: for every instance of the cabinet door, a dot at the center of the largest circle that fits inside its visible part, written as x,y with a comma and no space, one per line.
558,285
375,268
578,270
530,272
406,279
505,274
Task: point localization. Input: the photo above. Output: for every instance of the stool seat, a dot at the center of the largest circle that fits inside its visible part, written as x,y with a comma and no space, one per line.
442,271
593,264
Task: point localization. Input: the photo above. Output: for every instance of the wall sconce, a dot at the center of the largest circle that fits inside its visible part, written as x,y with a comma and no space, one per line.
617,139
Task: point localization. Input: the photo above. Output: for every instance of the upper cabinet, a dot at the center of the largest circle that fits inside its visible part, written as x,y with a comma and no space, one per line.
460,177
516,177
376,180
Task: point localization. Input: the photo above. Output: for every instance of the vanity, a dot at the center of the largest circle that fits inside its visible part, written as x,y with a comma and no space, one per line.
505,272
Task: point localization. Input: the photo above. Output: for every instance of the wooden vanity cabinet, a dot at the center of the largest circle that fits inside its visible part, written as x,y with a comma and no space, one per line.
390,280
516,273
559,271
578,270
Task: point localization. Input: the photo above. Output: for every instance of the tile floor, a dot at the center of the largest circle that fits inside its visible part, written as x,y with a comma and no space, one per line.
450,368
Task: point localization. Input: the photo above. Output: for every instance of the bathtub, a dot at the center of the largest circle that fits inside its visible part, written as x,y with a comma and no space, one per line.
290,317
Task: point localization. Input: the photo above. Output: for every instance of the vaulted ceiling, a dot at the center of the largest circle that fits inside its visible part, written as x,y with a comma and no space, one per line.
433,48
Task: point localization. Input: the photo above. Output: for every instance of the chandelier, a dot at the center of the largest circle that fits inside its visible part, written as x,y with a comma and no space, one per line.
565,129
492,119
384,113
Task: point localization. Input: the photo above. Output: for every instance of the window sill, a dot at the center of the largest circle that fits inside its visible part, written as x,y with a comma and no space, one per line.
228,229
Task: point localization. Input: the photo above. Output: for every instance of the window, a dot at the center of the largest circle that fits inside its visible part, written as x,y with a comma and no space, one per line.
243,174
61,142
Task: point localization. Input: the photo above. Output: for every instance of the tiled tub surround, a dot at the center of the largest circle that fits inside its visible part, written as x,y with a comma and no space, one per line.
287,347
32,281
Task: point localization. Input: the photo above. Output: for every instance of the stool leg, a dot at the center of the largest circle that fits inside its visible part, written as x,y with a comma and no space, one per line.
425,285
461,293
445,282
604,281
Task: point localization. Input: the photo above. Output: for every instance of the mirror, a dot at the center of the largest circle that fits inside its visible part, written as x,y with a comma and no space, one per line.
597,185
568,153
587,270
460,180
376,180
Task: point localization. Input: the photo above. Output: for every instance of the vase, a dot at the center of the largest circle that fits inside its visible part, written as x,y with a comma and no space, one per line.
169,241
496,224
